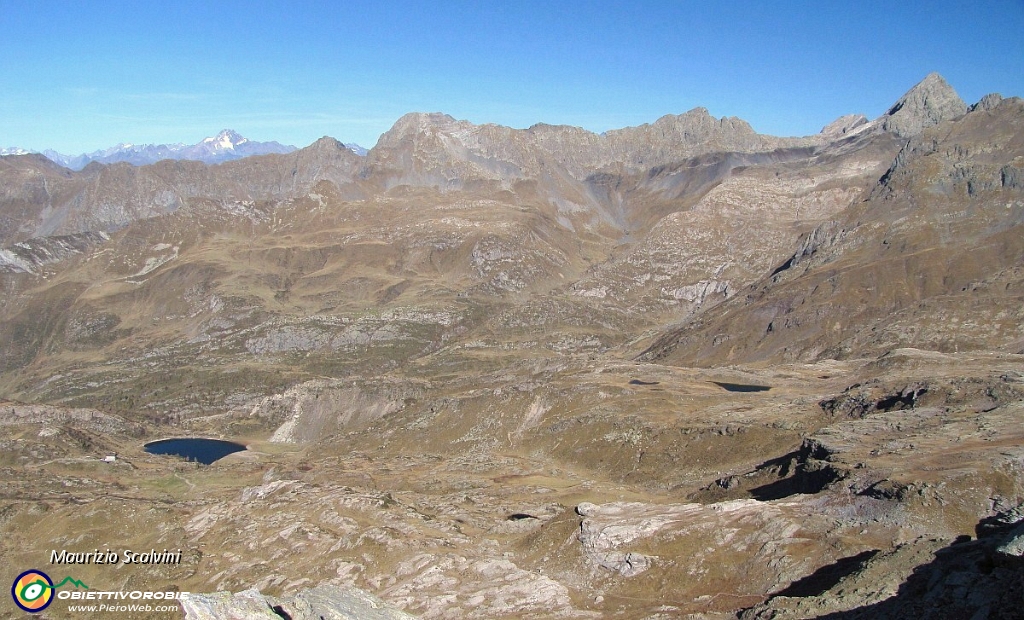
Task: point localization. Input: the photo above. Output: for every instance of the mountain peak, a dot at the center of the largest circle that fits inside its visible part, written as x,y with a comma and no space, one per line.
414,124
329,144
420,121
227,139
428,118
929,102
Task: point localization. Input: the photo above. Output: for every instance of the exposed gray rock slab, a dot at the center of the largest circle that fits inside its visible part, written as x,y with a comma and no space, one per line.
1014,545
324,602
249,604
28,256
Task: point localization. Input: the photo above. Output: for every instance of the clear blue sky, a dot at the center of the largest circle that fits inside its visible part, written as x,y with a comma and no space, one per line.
79,76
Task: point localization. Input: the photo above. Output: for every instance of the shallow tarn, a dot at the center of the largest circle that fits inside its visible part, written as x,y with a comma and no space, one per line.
199,449
741,387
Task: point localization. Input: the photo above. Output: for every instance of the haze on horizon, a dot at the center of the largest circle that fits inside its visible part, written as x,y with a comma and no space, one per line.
84,77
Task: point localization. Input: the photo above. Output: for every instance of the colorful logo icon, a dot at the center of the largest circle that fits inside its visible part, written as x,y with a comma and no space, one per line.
32,591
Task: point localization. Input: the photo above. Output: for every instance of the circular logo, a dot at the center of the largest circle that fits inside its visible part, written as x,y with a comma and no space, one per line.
32,591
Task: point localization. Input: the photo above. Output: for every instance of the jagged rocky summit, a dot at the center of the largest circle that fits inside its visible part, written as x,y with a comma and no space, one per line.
931,101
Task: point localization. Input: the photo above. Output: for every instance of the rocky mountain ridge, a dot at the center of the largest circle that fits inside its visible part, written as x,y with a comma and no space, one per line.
431,150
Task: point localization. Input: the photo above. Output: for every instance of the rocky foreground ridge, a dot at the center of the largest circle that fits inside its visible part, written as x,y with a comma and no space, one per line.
676,370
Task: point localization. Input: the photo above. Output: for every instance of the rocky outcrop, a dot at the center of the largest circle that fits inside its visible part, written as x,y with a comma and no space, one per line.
1013,547
314,409
699,292
961,578
28,256
816,244
324,602
602,540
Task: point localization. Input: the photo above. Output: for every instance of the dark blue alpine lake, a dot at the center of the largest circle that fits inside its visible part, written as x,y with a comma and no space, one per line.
199,449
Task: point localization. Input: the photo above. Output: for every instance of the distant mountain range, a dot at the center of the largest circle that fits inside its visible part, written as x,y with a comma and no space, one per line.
228,145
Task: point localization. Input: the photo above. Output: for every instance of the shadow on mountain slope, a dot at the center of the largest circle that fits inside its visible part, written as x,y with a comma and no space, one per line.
964,579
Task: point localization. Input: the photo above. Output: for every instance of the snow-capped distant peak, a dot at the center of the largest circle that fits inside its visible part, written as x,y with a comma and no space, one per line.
226,140
14,151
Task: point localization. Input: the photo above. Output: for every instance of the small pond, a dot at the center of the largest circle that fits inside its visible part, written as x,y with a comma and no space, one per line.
199,449
741,387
